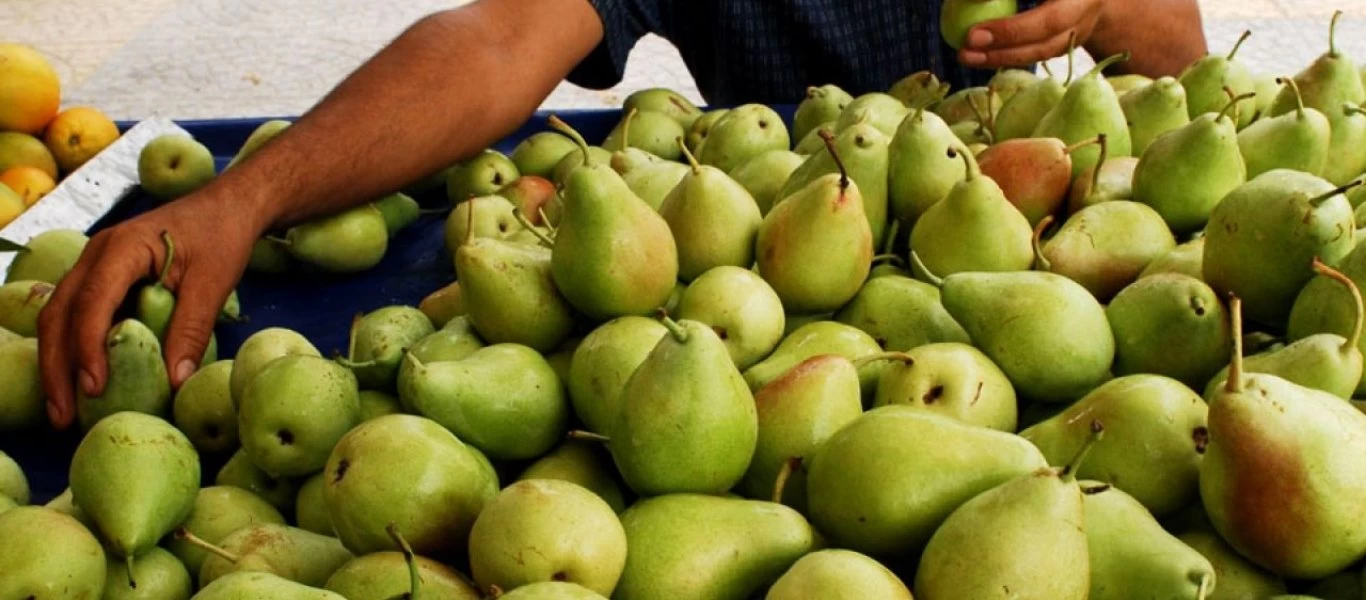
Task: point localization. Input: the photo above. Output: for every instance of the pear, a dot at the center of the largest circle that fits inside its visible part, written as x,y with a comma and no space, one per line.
742,133
815,247
454,341
1089,108
379,337
288,552
258,138
1021,113
919,90
1324,306
764,176
1008,82
740,307
714,220
901,313
47,257
651,131
975,215
883,111
261,348
351,241
389,575
1129,550
797,413
838,575
540,152
951,379
217,512
13,483
957,17
1235,578
649,176
158,574
1327,83
1169,324
698,547
1034,173
813,339
1104,247
1185,259
203,409
22,402
1307,443
480,175
1110,179
613,254
813,142
310,509
137,377
602,364
547,530
701,128
863,149
443,484
136,476
882,484
1264,236
1025,538
270,255
1153,110
551,590
510,294
64,504
581,463
399,210
443,305
1206,79
1014,318
239,472
20,303
480,217
1346,159
596,154
920,171
1266,144
155,303
687,420
1155,435
294,411
47,554
375,404
249,584
821,104
665,101
969,107
1186,172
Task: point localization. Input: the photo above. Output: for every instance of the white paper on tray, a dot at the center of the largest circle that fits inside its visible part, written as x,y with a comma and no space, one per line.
85,196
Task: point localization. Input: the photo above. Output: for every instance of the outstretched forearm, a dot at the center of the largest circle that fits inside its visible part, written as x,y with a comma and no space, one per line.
1162,36
451,85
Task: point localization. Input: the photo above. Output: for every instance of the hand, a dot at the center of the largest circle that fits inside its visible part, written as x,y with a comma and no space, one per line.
1032,36
213,238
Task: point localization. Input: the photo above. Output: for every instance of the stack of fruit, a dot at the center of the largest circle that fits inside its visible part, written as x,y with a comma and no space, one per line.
39,145
697,362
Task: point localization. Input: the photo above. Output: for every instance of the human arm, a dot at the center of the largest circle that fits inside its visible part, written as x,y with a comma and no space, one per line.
448,87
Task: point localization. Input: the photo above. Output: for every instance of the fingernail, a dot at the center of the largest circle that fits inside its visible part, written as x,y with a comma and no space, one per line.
980,38
88,383
55,415
974,58
183,370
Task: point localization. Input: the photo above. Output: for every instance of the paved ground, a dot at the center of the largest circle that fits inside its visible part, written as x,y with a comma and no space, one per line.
224,58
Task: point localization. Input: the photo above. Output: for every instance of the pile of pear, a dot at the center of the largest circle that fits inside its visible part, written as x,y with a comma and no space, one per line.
1052,338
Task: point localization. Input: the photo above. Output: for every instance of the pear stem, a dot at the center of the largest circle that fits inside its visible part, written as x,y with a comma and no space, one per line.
587,436
1233,102
626,129
919,115
1047,70
889,258
469,223
674,328
893,229
351,338
1234,383
784,473
1041,262
170,258
526,223
414,574
1349,109
1320,199
278,240
1108,62
1330,272
1239,44
970,168
184,534
128,560
1104,142
829,139
545,219
1332,34
1069,471
1071,55
864,361
564,128
412,358
1204,588
692,160
1084,143
933,279
1294,87
983,118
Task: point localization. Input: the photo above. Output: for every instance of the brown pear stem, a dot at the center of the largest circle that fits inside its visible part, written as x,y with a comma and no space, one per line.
1234,383
1333,34
692,160
494,592
1239,44
526,223
1233,102
414,574
1320,199
540,210
785,472
1111,60
932,279
1294,87
184,535
1104,142
864,361
1330,272
893,229
1069,471
1349,109
1204,588
351,337
128,561
1083,144
829,139
565,129
626,129
1041,262
170,258
1046,69
580,435
1071,55
674,328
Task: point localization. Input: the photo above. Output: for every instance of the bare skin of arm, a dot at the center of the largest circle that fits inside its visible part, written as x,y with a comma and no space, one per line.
448,87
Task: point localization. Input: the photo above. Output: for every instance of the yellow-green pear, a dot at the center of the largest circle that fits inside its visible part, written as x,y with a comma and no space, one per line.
951,379
1206,79
137,377
1130,551
583,463
46,554
974,228
602,364
838,575
218,511
714,220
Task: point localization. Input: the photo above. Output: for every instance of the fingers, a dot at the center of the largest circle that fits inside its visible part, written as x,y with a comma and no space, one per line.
54,347
122,263
1030,36
199,297
1020,55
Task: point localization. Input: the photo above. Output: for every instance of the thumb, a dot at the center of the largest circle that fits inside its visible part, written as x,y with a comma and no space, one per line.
198,301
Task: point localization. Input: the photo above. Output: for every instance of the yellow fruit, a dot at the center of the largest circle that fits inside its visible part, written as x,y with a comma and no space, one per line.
29,89
31,183
11,205
77,134
21,149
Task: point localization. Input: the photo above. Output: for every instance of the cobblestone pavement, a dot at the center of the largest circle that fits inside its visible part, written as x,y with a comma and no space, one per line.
227,58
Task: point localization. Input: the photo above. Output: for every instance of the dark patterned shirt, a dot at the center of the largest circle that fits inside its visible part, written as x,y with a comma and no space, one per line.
769,51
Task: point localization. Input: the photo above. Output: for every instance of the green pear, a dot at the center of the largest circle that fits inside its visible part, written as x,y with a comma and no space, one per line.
958,17
443,305
20,303
480,175
7,336
602,364
270,255
742,133
651,131
821,104
921,171
699,547
976,215
1206,79
666,101
137,377
1155,436
686,421
251,584
1265,234
263,133
1327,83
289,552
1153,110
239,472
581,463
1169,324
47,257
375,404
217,512
812,143
1111,179
968,107
547,530
812,339
1346,159
764,176
399,210
838,575
975,135
1186,172
1325,306
64,504
310,509
379,338
863,150
713,219
203,409
409,471
158,575
1089,108
649,176
901,313
951,379
155,303
1129,82
1104,247
743,310
1235,578
1185,259
13,483
882,111
921,89
797,412
613,254
1020,115
504,399
1008,82
574,160
510,294
1306,444
294,411
552,590
1296,140
47,554
540,152
456,341
701,128
136,476
23,404
389,575
480,217
1129,551
1343,586
882,484
347,242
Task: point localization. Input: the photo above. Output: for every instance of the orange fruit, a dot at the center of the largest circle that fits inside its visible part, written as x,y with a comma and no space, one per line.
77,134
30,92
31,183
18,149
11,205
